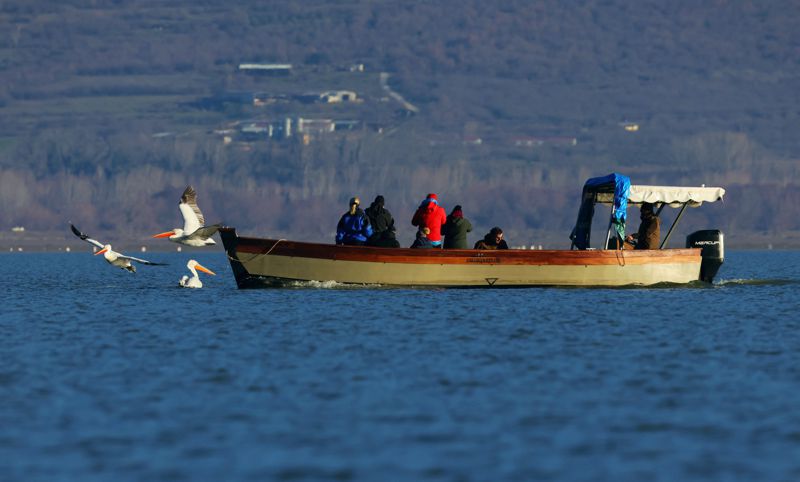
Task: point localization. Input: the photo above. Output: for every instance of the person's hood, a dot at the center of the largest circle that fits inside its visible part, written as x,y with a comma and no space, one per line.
429,206
376,208
429,203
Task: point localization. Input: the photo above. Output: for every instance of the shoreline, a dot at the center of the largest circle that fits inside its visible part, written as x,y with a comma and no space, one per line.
38,242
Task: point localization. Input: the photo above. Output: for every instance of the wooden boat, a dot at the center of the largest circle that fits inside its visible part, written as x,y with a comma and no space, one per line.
259,262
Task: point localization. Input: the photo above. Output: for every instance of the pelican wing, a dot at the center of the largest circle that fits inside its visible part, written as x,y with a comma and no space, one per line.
85,237
143,261
206,232
192,216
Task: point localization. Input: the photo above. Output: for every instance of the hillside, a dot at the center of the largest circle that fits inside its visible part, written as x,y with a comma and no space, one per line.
110,108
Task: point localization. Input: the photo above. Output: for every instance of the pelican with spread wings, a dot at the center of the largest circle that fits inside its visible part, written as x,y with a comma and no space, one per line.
194,232
117,259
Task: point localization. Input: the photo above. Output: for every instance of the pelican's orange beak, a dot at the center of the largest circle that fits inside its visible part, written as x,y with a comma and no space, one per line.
101,251
164,235
204,269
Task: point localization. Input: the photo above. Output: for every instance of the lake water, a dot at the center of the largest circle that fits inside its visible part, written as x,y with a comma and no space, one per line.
106,375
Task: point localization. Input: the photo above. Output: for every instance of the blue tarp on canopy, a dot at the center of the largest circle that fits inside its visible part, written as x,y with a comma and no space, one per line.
618,184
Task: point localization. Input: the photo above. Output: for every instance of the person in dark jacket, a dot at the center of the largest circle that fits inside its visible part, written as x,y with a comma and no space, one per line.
455,230
422,240
649,230
353,228
432,216
382,222
492,240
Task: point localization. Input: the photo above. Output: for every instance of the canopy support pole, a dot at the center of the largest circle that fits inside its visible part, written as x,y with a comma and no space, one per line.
675,223
610,223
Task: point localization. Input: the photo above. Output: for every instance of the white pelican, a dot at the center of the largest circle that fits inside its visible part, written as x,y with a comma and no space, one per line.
117,259
194,232
194,281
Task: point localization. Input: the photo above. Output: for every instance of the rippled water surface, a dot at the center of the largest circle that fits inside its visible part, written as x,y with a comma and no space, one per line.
110,376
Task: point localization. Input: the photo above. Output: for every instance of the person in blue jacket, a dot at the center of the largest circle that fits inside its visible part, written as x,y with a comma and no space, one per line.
354,227
422,240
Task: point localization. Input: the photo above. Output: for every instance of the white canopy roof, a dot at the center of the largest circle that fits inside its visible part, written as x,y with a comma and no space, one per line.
673,195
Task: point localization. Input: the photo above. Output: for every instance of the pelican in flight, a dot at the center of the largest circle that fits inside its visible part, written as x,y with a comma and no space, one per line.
117,259
194,281
194,232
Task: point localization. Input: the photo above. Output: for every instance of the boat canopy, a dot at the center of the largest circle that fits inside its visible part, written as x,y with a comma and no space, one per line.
673,196
617,190
614,188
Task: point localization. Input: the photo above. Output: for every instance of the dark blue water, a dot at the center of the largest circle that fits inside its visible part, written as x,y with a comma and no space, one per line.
110,376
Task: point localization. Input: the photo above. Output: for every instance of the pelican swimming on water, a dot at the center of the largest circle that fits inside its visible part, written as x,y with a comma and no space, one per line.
194,232
194,281
117,259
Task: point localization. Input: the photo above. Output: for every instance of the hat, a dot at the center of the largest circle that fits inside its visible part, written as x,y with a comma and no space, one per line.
354,200
432,196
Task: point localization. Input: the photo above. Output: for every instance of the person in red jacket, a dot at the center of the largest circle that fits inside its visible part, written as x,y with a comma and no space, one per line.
432,216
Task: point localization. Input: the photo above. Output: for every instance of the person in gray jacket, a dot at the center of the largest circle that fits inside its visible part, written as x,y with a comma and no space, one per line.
455,230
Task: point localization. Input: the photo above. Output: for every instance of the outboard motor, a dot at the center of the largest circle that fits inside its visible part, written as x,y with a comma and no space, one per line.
712,243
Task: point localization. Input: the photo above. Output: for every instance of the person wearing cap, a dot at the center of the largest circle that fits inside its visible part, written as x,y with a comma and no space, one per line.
354,227
382,222
492,240
432,216
649,230
422,240
455,230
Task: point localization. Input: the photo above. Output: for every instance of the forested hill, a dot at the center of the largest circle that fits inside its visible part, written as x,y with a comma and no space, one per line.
109,109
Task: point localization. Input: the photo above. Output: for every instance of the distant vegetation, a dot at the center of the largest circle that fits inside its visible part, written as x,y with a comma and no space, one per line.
109,109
